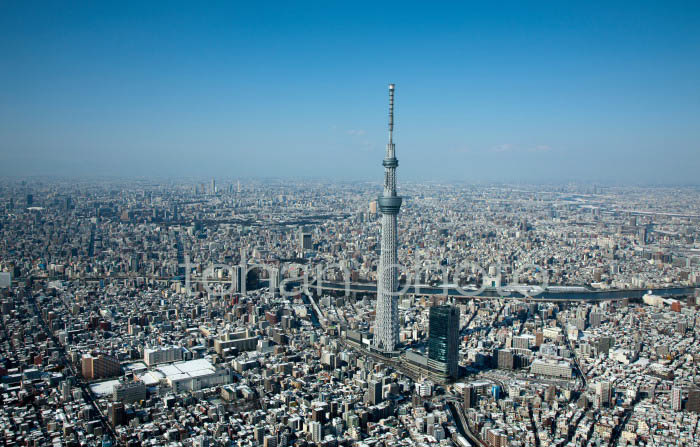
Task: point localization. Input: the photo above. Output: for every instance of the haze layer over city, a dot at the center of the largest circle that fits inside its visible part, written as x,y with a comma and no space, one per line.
349,225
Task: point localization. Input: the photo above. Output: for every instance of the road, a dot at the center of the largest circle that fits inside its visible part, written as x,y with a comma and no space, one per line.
463,424
533,426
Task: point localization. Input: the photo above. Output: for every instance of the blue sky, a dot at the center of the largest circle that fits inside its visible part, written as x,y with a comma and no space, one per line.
492,91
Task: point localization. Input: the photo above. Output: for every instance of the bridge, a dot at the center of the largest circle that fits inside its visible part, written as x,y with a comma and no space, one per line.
519,293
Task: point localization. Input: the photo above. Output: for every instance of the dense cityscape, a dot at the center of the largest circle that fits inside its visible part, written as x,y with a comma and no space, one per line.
126,319
223,225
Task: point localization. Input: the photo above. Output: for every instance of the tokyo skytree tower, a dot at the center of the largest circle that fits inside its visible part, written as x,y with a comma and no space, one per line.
386,328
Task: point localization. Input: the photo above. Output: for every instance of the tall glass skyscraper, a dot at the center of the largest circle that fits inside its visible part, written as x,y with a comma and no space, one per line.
386,329
443,343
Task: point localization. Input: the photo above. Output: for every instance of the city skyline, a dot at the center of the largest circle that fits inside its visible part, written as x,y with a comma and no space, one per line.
196,248
516,93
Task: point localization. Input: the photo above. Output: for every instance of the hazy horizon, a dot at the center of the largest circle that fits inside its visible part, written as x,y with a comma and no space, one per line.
534,93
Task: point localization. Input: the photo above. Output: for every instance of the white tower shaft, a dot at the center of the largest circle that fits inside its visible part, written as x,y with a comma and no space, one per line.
386,329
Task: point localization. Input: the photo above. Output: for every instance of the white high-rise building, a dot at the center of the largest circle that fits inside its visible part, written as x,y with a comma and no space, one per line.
386,328
676,399
316,431
604,393
162,354
275,280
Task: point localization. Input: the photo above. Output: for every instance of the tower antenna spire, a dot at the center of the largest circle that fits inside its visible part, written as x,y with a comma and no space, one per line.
391,111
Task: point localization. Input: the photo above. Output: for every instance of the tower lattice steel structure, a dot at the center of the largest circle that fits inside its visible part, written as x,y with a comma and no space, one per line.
386,329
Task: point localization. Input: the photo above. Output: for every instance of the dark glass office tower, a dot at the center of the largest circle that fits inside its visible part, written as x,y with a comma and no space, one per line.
443,343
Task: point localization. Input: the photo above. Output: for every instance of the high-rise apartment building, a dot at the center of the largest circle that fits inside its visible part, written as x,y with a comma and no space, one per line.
100,366
154,356
375,392
316,431
270,441
305,242
470,397
129,392
117,414
676,399
275,280
505,359
604,393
